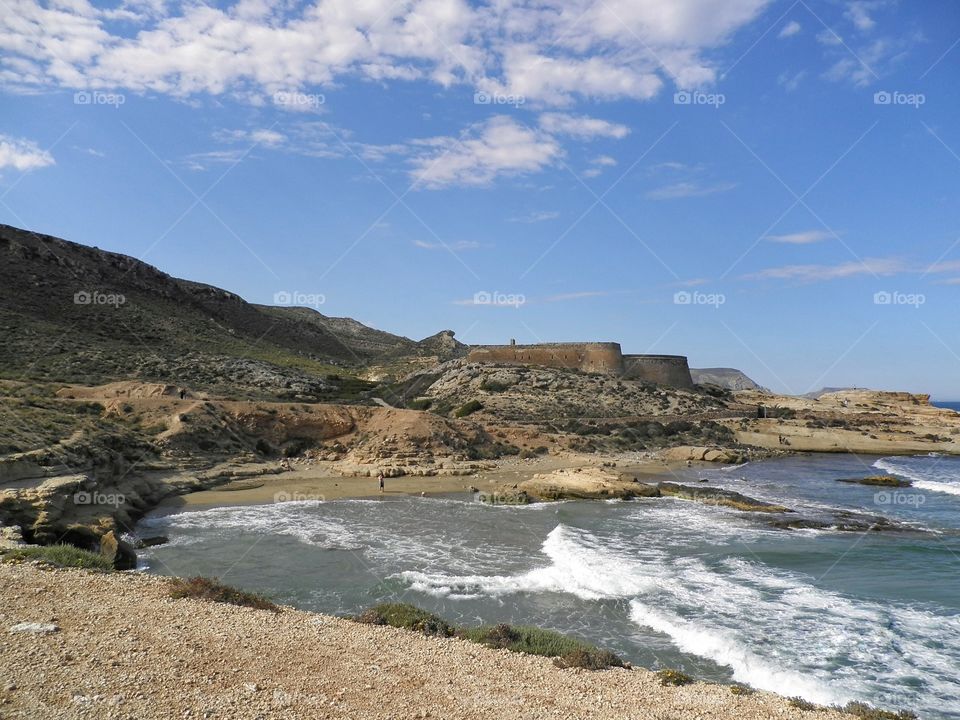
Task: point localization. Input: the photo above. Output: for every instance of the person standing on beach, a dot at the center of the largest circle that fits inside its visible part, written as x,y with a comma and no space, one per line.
380,480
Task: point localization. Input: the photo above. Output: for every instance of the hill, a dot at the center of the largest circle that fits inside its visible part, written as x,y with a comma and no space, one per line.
72,313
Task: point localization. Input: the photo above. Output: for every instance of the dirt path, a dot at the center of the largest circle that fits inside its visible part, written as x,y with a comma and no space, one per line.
125,650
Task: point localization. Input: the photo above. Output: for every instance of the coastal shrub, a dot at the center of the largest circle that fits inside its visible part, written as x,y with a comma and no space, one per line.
668,676
298,446
782,413
63,556
212,590
494,386
468,408
800,704
868,712
265,448
738,689
568,652
406,616
589,659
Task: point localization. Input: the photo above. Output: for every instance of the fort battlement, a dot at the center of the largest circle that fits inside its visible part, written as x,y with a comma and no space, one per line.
598,357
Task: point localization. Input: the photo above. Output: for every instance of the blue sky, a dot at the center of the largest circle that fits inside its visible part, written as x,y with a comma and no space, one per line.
771,186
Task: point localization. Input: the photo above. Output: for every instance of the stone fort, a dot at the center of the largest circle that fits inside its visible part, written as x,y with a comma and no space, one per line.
598,357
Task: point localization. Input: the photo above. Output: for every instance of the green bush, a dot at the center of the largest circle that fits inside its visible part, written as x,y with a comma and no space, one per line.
64,556
668,676
800,704
406,616
211,590
738,689
867,712
420,404
468,408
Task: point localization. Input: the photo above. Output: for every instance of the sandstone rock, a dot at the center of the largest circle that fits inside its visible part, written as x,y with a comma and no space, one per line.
119,552
877,480
717,496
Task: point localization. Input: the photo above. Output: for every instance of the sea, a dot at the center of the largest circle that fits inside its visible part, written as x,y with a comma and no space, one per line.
830,616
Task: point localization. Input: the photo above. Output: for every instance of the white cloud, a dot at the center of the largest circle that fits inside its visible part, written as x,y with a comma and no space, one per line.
21,154
790,29
689,189
555,80
548,51
499,147
802,238
581,126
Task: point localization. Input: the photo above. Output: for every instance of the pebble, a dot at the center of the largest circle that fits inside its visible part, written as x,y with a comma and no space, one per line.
34,627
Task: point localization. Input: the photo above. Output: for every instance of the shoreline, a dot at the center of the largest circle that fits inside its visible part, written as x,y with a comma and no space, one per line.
123,648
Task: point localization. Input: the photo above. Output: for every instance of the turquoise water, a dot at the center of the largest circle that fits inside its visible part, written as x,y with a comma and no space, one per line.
830,616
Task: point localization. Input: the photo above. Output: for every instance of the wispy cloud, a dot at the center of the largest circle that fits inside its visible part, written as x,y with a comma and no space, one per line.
807,237
689,189
457,245
598,165
563,297
815,273
582,126
790,81
535,217
790,29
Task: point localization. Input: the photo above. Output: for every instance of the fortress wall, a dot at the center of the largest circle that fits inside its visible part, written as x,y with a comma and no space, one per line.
669,370
590,357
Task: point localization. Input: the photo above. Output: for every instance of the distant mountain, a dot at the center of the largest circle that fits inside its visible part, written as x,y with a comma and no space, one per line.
728,378
72,313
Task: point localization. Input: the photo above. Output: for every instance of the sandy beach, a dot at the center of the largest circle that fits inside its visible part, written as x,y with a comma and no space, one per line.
316,482
123,649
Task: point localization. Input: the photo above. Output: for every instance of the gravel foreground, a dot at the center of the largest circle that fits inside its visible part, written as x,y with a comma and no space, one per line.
123,649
